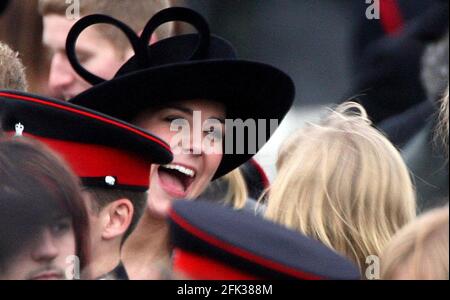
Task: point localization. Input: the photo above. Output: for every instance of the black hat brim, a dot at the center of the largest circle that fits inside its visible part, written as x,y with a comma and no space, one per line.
249,90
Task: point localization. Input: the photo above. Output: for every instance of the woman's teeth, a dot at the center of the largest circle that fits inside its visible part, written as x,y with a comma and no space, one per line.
181,169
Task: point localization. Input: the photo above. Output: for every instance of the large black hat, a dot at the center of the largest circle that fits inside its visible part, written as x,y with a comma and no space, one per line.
102,151
186,67
212,242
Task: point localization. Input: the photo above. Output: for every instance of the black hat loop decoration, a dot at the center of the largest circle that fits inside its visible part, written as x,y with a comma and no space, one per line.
180,14
139,44
88,21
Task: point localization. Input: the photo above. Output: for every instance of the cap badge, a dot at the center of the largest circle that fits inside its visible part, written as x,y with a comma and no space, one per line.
19,129
110,180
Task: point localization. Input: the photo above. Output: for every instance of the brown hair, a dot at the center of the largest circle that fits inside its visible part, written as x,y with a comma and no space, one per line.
31,174
103,197
134,13
420,250
12,71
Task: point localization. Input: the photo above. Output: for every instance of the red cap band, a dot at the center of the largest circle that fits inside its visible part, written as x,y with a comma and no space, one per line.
89,160
198,267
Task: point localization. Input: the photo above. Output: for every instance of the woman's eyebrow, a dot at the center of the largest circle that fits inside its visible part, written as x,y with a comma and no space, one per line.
182,109
221,120
191,112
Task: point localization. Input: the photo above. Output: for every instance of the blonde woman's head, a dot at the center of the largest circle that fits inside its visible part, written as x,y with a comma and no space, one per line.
420,250
342,182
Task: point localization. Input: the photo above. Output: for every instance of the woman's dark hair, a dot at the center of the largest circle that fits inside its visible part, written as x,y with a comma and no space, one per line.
36,185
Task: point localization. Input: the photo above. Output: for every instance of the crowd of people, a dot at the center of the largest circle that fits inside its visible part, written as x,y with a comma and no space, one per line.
98,182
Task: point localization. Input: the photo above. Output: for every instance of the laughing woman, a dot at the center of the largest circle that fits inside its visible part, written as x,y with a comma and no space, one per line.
193,82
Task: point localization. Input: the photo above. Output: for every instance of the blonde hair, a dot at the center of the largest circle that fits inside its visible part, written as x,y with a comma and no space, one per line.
134,14
237,193
420,250
12,71
344,184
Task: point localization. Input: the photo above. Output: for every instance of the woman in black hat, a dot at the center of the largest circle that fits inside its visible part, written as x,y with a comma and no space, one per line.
196,79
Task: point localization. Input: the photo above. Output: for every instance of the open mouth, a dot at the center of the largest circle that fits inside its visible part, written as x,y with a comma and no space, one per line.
176,179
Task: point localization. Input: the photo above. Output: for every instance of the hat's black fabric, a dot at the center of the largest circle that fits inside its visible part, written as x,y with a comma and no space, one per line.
196,66
84,129
253,245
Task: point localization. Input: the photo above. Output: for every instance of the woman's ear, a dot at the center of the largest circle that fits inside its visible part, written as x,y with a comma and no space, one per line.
119,215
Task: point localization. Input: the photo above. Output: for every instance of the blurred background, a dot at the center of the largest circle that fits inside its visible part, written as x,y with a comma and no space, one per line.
308,39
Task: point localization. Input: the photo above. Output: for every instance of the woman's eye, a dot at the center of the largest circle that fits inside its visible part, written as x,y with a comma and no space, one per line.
215,132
